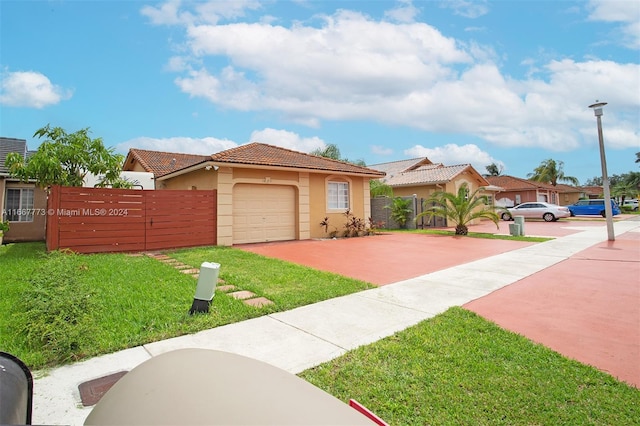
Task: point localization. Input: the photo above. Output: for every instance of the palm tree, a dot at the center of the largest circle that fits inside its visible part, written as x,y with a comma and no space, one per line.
551,172
330,151
461,208
401,210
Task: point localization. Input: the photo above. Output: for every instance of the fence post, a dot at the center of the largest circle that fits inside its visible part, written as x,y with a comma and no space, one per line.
52,226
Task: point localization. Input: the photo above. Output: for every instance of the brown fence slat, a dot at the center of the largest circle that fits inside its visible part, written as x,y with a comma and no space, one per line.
93,220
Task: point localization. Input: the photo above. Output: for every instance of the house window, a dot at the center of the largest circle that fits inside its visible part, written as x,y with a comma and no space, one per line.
518,199
19,205
338,195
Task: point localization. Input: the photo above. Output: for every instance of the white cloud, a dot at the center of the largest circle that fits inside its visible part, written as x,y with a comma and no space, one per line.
210,12
30,89
351,67
287,139
185,145
452,154
625,12
468,9
404,12
380,150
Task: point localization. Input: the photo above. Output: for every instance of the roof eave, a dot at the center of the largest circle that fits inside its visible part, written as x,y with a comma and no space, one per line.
261,167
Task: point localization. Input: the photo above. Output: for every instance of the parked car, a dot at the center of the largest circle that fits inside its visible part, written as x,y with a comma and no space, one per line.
537,210
632,204
592,207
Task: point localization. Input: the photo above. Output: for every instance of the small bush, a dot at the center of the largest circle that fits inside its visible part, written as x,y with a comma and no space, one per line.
56,313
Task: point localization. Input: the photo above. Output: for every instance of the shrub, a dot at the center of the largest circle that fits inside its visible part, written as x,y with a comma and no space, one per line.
56,313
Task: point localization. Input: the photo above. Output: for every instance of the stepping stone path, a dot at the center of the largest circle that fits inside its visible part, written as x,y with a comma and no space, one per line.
246,296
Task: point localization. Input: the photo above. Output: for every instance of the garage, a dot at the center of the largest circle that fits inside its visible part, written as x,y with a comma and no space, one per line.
263,213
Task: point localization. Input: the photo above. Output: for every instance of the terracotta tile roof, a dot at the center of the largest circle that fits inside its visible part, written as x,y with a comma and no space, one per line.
511,183
161,163
593,190
568,188
260,154
395,167
428,174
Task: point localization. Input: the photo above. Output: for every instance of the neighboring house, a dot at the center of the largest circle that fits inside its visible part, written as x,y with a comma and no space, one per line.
419,177
570,194
23,204
516,191
593,192
265,193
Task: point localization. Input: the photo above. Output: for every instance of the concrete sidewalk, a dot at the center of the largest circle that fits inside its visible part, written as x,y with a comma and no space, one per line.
307,336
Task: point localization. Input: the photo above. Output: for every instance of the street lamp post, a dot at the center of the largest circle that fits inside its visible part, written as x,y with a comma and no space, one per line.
597,110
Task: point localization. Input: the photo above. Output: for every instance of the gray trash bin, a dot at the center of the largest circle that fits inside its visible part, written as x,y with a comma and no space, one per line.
520,221
16,391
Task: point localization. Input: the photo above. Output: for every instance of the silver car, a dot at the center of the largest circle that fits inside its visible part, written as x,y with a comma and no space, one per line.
537,210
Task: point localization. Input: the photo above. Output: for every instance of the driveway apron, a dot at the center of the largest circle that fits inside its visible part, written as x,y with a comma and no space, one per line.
386,258
586,307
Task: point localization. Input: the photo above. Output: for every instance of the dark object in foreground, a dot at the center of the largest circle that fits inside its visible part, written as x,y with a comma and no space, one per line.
16,391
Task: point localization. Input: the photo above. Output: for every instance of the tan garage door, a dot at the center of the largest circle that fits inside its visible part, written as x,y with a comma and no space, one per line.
263,213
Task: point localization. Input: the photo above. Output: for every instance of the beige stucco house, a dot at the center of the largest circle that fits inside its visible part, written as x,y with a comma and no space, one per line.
22,204
265,193
420,178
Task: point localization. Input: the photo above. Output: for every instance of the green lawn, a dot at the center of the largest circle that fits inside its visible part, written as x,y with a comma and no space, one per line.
460,369
456,368
59,308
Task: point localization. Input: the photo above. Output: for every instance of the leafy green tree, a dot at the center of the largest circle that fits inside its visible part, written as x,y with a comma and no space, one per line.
460,208
637,157
65,159
550,171
401,210
332,151
494,170
377,188
613,180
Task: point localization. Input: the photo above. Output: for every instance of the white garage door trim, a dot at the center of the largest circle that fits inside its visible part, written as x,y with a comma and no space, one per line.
263,213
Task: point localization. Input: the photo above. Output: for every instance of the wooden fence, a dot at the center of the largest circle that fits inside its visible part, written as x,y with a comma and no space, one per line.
93,220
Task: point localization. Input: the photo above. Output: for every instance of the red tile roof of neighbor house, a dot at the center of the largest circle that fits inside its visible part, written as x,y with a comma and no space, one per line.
260,154
256,154
161,163
511,183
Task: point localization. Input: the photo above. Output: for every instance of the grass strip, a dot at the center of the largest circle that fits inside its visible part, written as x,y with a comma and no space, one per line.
485,235
458,368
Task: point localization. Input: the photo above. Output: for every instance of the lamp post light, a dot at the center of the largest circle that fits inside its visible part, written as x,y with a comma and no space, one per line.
597,110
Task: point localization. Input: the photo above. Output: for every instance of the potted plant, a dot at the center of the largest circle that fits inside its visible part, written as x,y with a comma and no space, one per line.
4,227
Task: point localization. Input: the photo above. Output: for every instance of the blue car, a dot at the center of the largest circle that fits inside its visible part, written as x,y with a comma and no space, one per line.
592,207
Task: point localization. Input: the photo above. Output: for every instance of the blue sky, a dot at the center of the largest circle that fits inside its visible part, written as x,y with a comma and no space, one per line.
478,82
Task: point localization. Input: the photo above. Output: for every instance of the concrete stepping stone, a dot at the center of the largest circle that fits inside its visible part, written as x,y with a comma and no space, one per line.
182,266
190,271
258,302
226,288
242,294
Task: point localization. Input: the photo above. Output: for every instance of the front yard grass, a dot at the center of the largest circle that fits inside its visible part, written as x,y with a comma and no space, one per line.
455,368
57,308
458,368
486,235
